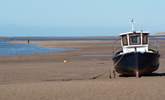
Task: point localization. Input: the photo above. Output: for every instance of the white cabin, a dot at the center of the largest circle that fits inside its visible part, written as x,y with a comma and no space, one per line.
135,41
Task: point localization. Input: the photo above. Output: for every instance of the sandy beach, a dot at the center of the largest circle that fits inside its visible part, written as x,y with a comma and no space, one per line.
84,75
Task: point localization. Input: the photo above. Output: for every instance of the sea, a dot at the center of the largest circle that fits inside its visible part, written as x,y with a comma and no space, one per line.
10,49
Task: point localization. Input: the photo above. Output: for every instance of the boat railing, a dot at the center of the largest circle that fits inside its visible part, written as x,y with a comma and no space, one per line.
154,45
116,46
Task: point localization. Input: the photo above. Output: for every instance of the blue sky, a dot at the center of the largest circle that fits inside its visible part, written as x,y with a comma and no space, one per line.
79,17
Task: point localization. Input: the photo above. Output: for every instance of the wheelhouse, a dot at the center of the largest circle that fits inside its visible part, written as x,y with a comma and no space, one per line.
134,42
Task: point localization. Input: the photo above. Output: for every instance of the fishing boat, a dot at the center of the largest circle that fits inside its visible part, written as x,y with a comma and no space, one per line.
135,57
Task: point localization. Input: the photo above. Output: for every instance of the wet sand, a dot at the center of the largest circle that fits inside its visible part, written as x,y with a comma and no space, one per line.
84,75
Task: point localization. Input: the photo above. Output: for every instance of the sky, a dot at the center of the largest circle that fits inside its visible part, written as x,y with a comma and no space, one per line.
79,17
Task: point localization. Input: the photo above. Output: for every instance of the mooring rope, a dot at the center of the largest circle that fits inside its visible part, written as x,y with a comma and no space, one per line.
114,64
118,60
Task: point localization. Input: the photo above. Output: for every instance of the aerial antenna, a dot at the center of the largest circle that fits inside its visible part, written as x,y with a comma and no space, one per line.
132,23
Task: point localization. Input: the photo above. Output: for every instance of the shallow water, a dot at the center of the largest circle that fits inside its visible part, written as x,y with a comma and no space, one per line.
8,49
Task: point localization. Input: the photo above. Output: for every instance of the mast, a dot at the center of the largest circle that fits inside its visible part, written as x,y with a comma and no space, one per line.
132,23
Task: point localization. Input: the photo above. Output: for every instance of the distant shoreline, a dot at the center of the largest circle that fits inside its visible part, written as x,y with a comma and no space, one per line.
58,38
106,38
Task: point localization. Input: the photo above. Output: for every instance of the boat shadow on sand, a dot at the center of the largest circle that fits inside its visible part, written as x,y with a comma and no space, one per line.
146,75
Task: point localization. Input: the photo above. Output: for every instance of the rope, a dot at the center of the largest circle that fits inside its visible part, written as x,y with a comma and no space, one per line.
99,75
118,60
114,64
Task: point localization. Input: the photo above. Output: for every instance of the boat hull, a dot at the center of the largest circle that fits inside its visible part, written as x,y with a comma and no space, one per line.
130,63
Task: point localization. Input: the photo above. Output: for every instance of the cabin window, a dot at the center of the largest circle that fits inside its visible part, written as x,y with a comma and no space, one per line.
145,38
124,39
134,39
